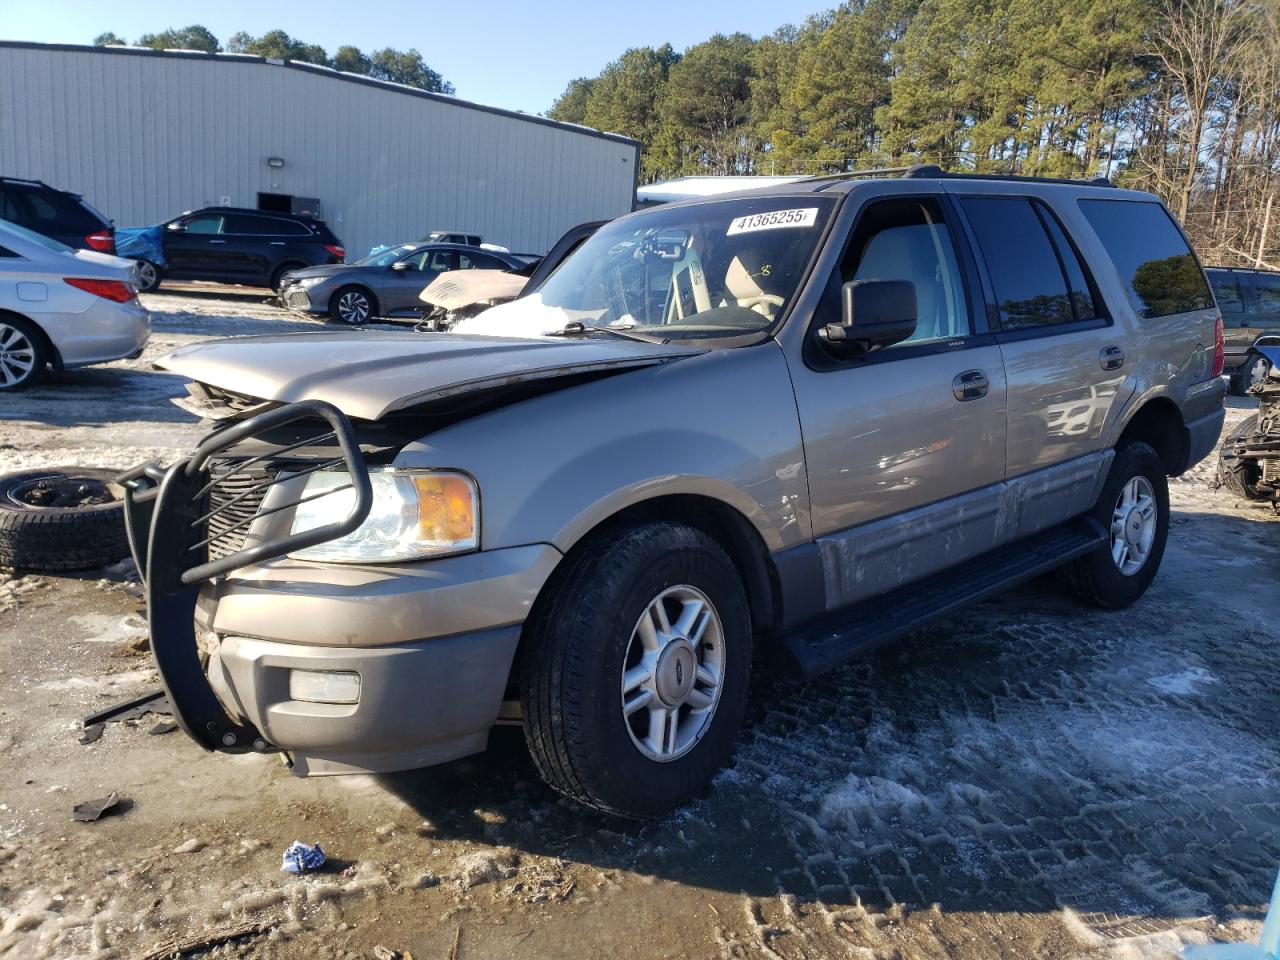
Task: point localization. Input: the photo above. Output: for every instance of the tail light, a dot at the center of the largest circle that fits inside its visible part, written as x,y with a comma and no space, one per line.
1219,348
102,241
116,290
336,250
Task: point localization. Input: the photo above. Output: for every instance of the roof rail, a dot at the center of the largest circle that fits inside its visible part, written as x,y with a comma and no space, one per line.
38,183
861,174
930,171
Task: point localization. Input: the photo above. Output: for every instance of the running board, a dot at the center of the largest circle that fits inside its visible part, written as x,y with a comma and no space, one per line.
844,634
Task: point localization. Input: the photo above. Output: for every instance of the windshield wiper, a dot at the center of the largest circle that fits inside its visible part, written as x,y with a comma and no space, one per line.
577,329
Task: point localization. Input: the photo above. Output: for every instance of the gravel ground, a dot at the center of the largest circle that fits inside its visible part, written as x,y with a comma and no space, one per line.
1027,779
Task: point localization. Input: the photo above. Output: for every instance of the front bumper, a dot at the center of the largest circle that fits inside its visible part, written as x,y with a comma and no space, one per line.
420,703
299,300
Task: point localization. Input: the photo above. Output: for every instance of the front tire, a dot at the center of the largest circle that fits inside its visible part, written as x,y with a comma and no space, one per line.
635,670
1134,508
353,306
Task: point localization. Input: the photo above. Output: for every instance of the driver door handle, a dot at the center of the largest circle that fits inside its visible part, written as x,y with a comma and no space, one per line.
970,385
217,241
1111,358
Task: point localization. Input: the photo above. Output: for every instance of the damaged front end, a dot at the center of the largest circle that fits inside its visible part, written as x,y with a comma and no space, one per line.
190,523
1249,459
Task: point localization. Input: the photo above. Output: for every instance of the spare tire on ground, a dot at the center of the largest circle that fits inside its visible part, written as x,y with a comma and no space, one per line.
61,518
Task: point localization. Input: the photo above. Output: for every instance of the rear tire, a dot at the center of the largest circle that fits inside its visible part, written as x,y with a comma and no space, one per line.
148,276
72,536
353,306
633,624
1254,370
24,353
1134,507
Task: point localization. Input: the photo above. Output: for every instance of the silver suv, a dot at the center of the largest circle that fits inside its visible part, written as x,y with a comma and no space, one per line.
797,421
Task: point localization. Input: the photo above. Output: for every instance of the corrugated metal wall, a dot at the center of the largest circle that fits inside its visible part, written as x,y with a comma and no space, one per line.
145,138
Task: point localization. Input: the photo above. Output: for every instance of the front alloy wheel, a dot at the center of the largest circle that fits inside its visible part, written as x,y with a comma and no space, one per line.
148,276
672,673
353,307
635,667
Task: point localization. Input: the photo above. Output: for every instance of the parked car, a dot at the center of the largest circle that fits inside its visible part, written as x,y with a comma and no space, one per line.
235,245
64,216
1250,305
384,284
61,307
797,421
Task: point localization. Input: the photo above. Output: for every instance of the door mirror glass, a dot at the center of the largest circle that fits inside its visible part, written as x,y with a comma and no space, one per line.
400,266
874,314
176,227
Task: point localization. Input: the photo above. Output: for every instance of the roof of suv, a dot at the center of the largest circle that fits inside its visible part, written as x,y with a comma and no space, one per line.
278,214
853,180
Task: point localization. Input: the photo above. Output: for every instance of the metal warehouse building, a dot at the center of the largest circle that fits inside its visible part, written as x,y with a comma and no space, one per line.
145,135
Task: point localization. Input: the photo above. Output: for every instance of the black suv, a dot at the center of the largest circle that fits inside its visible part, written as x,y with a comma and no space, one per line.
64,216
236,245
1250,305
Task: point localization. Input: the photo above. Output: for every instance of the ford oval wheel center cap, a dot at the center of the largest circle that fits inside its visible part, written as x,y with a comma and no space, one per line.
673,676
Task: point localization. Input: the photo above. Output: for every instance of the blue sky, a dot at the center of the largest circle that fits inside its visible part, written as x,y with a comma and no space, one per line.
514,55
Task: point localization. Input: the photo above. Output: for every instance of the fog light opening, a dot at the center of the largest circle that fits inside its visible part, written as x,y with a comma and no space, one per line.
317,686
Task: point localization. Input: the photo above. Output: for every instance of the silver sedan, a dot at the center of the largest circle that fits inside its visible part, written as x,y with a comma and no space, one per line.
61,307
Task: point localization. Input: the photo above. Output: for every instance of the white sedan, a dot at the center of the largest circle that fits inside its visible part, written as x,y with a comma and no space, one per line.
61,307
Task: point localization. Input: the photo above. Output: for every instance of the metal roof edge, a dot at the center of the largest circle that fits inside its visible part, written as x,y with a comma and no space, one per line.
330,72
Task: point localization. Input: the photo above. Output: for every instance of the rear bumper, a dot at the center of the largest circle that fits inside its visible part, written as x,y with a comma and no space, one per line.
107,331
1202,437
419,704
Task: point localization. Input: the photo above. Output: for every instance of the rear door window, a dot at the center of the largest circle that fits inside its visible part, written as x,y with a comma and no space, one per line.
249,224
1026,271
52,211
1158,269
1266,291
9,209
1226,290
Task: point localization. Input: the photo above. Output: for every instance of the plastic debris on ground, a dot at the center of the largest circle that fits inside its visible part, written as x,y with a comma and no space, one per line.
301,857
91,810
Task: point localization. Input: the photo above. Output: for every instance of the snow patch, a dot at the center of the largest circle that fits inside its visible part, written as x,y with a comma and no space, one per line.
1188,683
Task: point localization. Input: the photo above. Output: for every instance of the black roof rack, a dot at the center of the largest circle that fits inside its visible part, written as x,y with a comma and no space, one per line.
930,171
38,183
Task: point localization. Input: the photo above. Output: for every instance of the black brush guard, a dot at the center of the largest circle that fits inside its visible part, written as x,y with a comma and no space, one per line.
166,513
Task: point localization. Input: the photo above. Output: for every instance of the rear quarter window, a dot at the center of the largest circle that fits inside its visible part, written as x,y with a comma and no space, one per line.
1158,269
1226,290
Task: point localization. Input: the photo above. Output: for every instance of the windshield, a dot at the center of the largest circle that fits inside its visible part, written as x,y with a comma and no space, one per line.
47,242
715,269
384,258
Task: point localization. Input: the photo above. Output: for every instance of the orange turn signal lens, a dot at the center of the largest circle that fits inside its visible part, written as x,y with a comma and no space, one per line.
446,509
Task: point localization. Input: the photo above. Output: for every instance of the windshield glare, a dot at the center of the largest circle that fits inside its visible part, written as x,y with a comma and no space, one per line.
716,269
384,258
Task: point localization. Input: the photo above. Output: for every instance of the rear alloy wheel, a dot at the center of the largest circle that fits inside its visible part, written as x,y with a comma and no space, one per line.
352,306
22,354
148,276
1134,508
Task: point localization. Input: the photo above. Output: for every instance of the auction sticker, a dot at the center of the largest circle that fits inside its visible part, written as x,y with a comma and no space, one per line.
773,220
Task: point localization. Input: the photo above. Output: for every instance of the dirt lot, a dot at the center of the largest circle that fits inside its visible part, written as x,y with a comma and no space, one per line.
1028,779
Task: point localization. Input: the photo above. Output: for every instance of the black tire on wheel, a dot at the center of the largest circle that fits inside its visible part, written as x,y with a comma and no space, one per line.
277,275
1096,577
60,536
1255,369
24,352
575,651
1241,476
148,276
353,306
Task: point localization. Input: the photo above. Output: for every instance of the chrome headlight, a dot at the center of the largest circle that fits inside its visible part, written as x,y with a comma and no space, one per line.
305,281
415,514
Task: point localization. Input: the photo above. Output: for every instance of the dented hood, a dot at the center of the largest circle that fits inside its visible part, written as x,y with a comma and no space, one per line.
369,374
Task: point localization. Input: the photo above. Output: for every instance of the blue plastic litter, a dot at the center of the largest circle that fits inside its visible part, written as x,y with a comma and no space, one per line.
141,243
1267,948
301,857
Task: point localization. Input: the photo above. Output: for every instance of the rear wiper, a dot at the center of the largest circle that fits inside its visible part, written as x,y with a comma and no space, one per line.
577,328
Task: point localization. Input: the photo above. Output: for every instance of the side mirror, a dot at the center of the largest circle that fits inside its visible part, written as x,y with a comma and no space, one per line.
175,227
875,313
400,266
